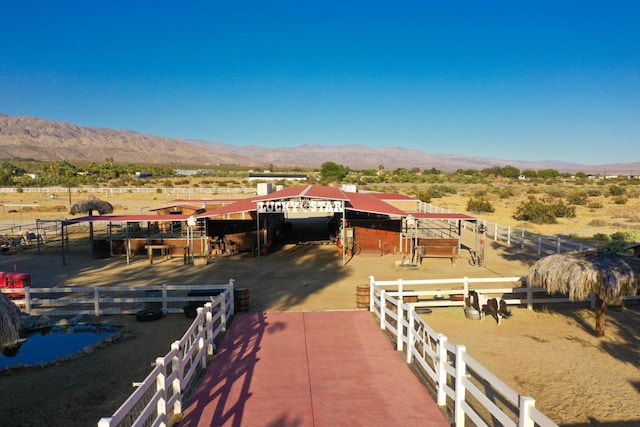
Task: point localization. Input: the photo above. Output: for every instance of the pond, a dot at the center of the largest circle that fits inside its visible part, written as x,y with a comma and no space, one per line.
48,344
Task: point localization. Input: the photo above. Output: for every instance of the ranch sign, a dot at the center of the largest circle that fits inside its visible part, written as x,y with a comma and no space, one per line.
291,206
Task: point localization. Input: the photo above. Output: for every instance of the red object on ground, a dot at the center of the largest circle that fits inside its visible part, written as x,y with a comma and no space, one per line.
309,369
14,280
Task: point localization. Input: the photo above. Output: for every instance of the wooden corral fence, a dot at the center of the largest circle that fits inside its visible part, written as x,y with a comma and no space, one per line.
543,245
469,392
109,300
158,400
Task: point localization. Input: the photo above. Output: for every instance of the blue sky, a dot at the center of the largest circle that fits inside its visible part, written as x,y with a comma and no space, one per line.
522,80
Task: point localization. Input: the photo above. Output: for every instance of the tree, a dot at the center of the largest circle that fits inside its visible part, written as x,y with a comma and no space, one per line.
333,172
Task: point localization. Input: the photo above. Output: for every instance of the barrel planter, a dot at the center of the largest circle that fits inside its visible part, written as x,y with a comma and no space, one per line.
362,296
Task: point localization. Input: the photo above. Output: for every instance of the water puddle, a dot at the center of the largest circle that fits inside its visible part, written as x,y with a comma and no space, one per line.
49,344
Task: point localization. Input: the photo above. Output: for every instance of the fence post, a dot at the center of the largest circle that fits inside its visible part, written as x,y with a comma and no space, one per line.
400,313
208,317
201,331
411,335
105,422
522,238
558,245
524,419
465,288
382,308
509,235
96,302
372,282
27,299
161,387
539,244
529,295
461,371
233,301
164,298
441,372
495,232
177,367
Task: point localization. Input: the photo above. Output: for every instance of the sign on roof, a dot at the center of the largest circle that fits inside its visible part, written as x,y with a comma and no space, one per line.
293,206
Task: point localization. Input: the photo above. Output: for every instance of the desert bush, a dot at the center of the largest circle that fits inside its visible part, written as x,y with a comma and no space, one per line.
558,193
615,190
563,211
533,210
594,192
479,205
538,212
577,198
620,200
601,237
594,204
423,196
506,192
597,223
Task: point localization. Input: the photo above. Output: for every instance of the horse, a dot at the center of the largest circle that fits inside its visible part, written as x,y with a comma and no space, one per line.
496,307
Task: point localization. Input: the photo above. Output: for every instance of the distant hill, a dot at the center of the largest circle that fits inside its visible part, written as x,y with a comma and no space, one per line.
30,137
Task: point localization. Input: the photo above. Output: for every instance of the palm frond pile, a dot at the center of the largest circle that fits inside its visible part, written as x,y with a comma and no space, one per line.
9,322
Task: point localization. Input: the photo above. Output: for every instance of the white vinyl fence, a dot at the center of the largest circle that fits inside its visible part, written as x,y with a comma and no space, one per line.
543,245
159,398
178,191
108,300
469,392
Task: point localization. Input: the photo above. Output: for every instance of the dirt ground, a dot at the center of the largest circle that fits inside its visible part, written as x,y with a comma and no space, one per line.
576,378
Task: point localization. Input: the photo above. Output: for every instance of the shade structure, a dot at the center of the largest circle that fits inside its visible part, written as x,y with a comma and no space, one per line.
608,275
90,204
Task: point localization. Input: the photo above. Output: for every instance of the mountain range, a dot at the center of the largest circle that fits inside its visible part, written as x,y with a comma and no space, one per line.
25,137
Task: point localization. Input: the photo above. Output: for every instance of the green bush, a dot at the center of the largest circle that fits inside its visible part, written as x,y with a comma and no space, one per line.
577,198
535,211
601,237
615,190
479,205
620,200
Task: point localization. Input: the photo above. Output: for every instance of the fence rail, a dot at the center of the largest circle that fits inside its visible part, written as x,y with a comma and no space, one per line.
158,399
109,300
470,392
544,245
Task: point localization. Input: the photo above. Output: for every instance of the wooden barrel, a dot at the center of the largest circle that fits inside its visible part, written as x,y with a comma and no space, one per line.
362,296
241,298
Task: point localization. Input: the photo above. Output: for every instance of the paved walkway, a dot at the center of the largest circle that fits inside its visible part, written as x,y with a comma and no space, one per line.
309,369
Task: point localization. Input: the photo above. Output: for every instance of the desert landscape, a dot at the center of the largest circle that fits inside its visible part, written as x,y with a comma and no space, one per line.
576,378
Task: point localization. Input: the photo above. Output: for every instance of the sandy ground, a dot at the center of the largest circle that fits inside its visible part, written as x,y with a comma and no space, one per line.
576,378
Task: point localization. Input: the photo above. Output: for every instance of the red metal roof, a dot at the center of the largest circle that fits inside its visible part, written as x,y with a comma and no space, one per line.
311,191
364,202
127,218
243,205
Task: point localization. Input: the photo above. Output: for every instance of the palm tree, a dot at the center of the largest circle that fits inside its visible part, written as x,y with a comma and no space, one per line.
608,275
87,206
